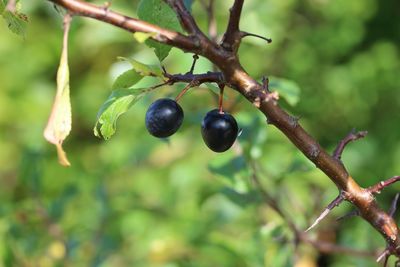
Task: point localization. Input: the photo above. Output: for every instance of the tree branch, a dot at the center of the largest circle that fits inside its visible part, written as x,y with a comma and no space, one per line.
130,24
352,136
185,18
231,39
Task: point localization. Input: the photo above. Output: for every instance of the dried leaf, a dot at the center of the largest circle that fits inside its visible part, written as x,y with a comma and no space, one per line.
59,123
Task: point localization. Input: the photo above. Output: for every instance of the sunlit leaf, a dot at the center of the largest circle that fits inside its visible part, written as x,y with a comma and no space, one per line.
117,104
143,69
127,79
159,13
287,89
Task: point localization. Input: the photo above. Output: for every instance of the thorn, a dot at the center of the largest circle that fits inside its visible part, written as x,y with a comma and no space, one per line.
393,207
349,215
265,83
195,58
384,254
326,211
244,34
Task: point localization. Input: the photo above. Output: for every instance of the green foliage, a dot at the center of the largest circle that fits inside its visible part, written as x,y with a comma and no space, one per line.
158,12
117,104
288,89
138,201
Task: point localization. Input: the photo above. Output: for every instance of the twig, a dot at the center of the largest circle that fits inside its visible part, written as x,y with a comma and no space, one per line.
352,136
195,58
376,189
245,34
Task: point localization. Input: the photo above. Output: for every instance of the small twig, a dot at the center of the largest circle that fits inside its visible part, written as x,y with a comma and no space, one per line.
195,58
339,199
352,136
350,214
376,189
245,34
393,207
208,77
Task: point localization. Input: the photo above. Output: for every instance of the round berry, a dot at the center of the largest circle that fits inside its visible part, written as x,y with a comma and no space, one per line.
164,117
219,130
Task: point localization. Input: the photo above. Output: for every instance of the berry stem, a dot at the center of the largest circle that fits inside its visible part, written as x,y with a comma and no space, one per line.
184,90
221,97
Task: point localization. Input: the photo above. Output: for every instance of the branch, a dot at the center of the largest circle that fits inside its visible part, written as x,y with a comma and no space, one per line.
208,77
231,39
130,24
376,189
352,136
185,17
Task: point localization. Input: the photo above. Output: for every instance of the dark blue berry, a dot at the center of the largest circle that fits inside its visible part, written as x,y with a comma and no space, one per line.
164,117
219,130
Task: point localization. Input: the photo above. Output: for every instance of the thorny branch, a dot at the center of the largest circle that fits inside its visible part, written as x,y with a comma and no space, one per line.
224,56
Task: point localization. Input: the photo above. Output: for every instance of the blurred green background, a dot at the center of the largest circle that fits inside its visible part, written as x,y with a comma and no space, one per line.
138,201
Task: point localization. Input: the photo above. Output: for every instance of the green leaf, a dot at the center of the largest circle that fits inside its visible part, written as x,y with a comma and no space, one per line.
241,199
143,69
127,79
159,13
16,21
117,104
287,89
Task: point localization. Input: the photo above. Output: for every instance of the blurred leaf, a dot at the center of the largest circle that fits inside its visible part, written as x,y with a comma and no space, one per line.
59,123
127,79
143,69
241,199
159,13
117,104
287,89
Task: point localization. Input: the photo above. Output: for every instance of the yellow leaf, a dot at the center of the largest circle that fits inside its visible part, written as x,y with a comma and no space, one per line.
59,123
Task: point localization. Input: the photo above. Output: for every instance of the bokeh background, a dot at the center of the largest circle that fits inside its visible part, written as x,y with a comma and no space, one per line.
138,201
